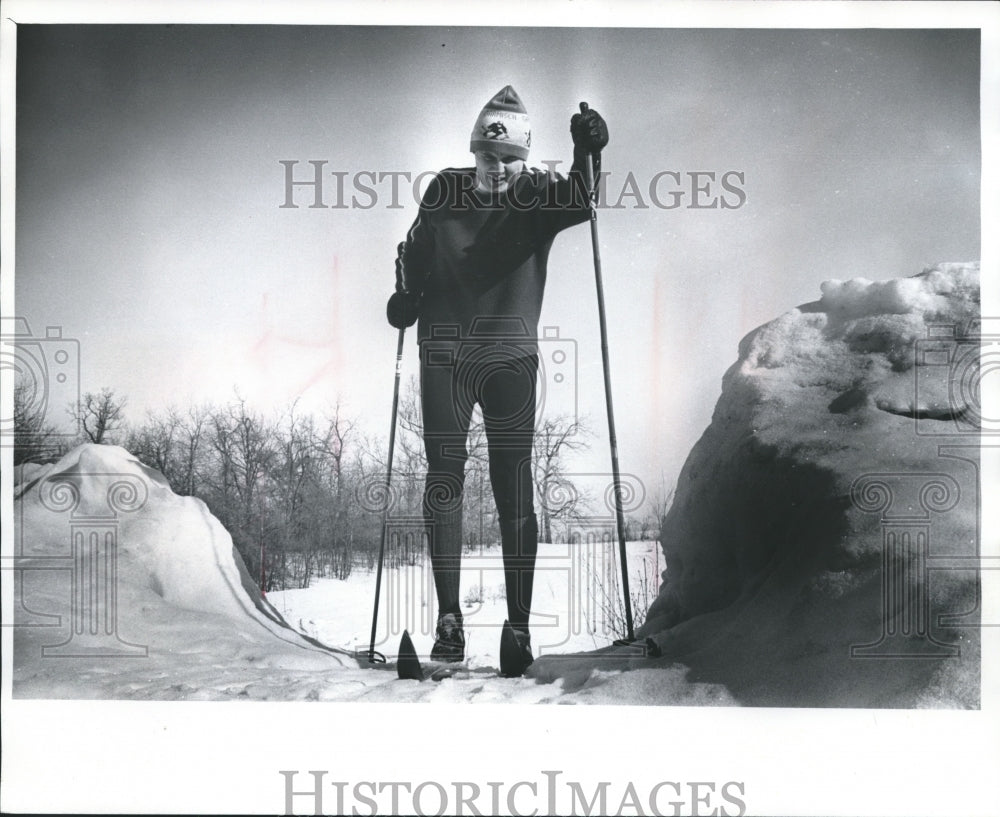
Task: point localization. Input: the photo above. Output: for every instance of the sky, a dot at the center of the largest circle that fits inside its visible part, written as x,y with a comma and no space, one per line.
150,185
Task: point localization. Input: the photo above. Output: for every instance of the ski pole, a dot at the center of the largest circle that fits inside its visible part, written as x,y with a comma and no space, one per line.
388,483
619,515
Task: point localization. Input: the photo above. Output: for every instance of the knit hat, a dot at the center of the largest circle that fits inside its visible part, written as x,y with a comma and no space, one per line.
503,126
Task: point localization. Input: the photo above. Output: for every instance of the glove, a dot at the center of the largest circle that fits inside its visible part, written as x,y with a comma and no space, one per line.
403,306
402,309
589,130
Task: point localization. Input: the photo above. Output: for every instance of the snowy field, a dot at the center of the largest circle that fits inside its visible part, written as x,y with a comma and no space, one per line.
573,613
128,591
576,606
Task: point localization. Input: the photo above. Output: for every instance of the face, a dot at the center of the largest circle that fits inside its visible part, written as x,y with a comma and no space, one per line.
494,171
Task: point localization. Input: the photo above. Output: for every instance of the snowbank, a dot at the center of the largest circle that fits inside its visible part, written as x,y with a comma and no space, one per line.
822,543
126,588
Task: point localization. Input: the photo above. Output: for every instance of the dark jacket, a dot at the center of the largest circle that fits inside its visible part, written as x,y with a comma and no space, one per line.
480,265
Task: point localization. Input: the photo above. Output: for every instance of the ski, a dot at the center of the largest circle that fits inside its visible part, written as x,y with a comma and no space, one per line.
409,666
513,661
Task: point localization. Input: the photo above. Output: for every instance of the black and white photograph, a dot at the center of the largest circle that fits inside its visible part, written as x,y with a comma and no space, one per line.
564,409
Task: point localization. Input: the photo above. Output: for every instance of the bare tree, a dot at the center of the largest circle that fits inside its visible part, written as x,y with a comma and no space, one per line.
251,449
295,456
34,438
481,520
659,505
171,442
558,497
100,415
295,463
194,425
332,444
339,519
155,441
242,447
410,466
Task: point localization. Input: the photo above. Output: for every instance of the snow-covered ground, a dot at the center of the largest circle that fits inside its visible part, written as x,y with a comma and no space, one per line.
572,614
126,590
573,609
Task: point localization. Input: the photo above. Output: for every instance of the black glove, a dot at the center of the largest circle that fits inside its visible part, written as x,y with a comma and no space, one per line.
589,130
403,306
402,309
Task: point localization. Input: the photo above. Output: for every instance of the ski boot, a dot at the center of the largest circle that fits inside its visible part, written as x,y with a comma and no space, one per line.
515,651
449,643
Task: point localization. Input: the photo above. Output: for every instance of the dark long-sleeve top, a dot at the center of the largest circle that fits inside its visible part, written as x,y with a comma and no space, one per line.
479,262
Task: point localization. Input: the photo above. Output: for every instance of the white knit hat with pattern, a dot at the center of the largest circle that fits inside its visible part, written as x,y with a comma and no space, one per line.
503,126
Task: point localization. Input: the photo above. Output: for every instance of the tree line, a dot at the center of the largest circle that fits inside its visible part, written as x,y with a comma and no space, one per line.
303,494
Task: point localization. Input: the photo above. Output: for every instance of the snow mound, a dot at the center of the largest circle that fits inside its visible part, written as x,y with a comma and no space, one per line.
825,525
123,587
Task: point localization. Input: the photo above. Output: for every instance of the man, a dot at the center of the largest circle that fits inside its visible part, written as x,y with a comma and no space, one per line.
473,270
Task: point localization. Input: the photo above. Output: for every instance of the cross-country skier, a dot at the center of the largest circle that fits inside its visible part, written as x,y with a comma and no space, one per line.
473,270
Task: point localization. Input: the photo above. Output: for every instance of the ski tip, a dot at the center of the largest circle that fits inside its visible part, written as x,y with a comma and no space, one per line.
407,663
